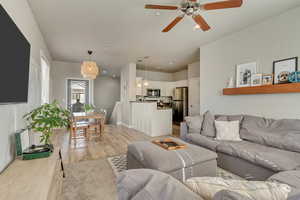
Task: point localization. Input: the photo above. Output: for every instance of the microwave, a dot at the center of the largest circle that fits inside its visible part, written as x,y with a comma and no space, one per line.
153,92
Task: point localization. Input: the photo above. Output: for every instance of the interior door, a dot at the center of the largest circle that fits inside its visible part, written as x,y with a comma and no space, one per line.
194,96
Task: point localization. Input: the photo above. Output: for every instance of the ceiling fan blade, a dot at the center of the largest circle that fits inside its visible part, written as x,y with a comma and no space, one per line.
148,6
172,24
222,5
201,22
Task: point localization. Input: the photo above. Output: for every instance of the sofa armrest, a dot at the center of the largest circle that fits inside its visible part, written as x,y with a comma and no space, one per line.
184,131
229,195
147,184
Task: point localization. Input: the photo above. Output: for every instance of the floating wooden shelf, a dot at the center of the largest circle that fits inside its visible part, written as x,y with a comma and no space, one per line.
266,89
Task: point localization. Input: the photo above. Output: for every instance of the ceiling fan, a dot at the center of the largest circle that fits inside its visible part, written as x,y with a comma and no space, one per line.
193,8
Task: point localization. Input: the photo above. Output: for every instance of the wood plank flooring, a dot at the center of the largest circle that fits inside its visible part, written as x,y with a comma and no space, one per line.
88,173
113,142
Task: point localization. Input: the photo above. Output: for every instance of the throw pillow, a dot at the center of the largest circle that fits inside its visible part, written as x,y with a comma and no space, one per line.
208,126
207,187
194,123
228,130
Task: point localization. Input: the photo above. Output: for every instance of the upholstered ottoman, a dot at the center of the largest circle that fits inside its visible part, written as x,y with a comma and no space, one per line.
192,161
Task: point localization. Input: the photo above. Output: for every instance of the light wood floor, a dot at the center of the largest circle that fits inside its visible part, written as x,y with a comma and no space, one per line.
95,151
113,142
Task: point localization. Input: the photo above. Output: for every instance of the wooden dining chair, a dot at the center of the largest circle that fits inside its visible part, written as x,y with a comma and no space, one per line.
80,126
96,126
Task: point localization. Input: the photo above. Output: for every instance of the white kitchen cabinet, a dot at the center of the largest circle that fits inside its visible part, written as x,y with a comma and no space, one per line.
169,88
166,87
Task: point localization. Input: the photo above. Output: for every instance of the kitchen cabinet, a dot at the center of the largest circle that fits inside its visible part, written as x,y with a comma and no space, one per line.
166,87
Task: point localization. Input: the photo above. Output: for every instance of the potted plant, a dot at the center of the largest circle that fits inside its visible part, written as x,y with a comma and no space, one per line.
47,117
89,108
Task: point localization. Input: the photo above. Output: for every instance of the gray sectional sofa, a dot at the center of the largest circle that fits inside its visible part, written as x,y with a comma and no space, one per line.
269,146
269,150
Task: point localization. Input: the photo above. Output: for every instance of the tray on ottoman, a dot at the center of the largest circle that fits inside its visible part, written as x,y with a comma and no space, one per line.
191,161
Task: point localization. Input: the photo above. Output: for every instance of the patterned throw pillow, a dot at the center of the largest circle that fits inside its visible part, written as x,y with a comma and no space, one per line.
207,187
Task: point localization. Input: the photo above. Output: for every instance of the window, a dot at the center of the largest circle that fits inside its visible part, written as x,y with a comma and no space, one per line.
45,80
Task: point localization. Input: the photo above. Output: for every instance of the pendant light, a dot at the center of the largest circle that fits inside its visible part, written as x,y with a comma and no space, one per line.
89,69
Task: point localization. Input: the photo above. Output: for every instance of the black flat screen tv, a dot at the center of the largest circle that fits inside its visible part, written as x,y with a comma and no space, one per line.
14,61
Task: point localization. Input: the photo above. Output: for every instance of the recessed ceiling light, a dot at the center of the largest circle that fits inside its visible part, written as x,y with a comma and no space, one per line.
171,62
157,13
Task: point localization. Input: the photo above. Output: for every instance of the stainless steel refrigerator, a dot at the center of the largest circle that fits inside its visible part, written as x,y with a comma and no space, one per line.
180,104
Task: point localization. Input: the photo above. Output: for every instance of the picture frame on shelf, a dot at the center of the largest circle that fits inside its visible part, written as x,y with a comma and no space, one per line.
267,79
256,80
283,68
244,73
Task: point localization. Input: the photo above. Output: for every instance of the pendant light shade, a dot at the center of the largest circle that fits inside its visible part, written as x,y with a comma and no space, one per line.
89,69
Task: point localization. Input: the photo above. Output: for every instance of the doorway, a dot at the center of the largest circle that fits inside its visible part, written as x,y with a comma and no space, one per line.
77,90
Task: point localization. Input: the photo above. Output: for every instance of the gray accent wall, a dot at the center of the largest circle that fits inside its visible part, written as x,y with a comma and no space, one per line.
11,115
104,90
106,93
274,39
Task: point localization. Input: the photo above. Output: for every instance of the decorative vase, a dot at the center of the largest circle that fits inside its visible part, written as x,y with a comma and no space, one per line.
230,83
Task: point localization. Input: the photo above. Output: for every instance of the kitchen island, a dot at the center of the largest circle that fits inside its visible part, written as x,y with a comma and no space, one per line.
153,121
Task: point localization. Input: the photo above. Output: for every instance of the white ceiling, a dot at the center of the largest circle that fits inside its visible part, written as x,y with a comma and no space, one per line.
121,31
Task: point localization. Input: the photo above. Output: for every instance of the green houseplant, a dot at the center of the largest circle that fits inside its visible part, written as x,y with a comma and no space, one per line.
88,108
47,117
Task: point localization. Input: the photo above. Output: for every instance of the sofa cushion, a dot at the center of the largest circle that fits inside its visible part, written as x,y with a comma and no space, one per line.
146,184
291,178
283,134
268,157
208,126
208,187
204,141
229,195
229,118
194,123
228,130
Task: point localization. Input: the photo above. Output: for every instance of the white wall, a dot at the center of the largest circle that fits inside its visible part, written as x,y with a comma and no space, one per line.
274,39
11,115
154,76
181,75
163,76
194,88
193,70
128,92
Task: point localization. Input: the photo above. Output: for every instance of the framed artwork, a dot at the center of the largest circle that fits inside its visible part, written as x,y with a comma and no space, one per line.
256,80
283,68
244,73
267,79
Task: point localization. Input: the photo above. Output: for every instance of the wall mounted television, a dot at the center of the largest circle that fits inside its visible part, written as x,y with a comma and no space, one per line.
14,62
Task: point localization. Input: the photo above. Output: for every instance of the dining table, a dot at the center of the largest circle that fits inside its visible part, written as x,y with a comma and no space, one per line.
98,117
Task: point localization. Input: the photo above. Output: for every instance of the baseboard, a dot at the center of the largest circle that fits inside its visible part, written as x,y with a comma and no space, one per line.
126,125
